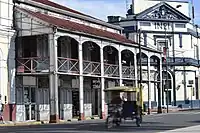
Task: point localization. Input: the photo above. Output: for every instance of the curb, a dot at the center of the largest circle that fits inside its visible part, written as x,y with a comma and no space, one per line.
21,124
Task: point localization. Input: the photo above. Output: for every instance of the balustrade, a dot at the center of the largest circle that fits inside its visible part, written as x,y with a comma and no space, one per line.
128,72
68,65
111,70
32,65
90,67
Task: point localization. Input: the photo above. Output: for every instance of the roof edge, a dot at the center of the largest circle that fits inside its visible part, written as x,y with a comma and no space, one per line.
50,8
104,38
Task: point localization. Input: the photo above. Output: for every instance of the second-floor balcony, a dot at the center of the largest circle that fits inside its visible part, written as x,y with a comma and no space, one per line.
32,65
71,66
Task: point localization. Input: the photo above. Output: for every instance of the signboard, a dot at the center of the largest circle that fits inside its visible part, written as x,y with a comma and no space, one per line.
162,25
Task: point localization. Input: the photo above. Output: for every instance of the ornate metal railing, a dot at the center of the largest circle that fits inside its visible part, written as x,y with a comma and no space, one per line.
32,65
128,72
68,65
90,67
111,70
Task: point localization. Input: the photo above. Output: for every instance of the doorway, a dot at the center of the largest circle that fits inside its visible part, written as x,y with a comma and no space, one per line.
30,102
168,96
75,103
95,101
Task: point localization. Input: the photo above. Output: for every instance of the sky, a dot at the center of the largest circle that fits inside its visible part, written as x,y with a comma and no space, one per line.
103,8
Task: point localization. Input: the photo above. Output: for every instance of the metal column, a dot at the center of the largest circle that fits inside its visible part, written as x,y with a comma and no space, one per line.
160,88
120,69
53,79
102,85
149,86
81,92
136,70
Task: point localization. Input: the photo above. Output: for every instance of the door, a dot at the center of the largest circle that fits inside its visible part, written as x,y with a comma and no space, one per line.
96,105
62,96
75,103
30,103
169,97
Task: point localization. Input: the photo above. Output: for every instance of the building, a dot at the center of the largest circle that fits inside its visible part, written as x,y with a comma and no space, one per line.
7,57
65,59
167,26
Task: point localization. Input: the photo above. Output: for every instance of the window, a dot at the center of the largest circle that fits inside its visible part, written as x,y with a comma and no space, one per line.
162,44
196,52
180,25
127,35
145,24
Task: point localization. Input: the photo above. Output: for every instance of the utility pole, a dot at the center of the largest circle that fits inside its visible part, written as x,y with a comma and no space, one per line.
140,58
140,63
166,83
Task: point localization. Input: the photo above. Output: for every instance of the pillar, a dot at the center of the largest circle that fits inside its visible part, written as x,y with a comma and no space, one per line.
160,88
81,92
102,85
136,70
149,85
53,79
120,69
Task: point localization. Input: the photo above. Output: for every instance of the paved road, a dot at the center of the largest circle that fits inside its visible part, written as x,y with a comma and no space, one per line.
151,124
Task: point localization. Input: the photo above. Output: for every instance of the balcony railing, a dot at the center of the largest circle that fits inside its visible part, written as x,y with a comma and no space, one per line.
68,65
128,72
90,67
111,70
32,65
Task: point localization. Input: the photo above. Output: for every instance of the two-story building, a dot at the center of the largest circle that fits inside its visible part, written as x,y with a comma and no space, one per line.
168,26
65,59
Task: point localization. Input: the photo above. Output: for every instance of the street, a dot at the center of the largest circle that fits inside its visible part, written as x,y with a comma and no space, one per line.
151,124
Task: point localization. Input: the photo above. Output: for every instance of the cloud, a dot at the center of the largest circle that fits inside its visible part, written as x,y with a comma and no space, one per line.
97,8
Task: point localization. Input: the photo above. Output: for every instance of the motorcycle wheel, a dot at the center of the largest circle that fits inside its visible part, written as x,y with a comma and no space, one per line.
109,122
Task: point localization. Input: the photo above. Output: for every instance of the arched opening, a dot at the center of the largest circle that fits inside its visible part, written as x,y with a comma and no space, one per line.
68,55
128,69
92,85
91,58
144,61
111,61
167,87
154,70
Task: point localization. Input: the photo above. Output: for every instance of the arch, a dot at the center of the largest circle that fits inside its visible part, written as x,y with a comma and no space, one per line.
144,58
91,51
169,74
110,45
75,37
154,61
143,55
110,54
88,40
67,47
127,57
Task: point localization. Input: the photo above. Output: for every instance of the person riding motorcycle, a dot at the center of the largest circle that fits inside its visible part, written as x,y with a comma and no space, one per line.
118,101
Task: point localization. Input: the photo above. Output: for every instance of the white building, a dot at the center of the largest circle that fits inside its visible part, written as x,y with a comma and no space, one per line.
7,57
168,26
72,57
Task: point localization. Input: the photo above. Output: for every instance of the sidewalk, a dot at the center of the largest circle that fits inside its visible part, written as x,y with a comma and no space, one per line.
193,129
13,123
26,123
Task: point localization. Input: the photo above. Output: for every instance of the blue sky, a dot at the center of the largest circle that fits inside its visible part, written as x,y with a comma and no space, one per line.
103,8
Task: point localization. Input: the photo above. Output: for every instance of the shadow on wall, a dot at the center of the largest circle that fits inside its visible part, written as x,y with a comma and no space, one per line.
9,111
